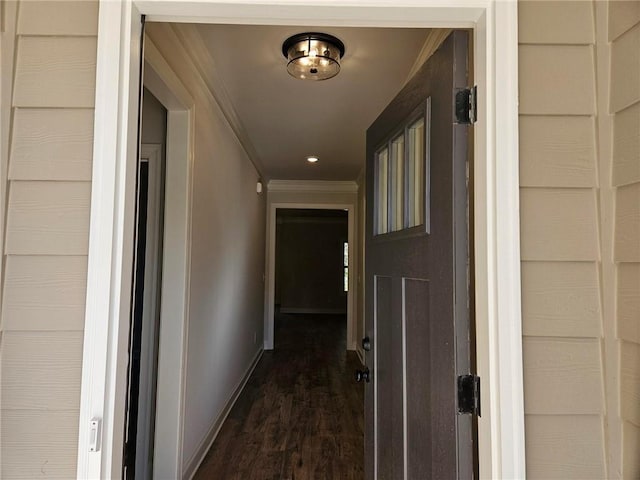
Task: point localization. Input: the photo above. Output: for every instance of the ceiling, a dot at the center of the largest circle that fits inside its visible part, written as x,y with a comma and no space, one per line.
286,119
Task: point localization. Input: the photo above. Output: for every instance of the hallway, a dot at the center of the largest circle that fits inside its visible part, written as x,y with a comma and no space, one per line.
300,415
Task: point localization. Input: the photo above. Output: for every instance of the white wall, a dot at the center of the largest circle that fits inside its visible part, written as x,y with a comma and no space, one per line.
227,259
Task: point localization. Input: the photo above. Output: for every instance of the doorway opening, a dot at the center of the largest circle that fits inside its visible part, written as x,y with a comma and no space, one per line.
312,260
195,456
490,30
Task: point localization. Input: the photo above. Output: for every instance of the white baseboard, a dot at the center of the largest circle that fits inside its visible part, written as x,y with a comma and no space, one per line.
205,445
360,353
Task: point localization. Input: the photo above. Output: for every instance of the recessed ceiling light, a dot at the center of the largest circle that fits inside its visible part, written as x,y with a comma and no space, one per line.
312,159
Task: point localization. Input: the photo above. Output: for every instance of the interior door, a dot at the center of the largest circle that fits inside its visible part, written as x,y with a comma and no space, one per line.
417,294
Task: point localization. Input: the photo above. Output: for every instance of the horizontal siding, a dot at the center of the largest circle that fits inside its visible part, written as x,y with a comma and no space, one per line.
564,22
625,70
630,382
623,15
563,299
562,302
69,18
562,376
564,447
55,72
51,144
41,370
48,218
558,224
628,302
624,30
557,151
626,146
630,463
46,237
627,224
39,444
44,293
553,81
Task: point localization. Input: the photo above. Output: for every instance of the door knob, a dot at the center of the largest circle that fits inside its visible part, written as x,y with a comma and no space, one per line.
366,344
363,375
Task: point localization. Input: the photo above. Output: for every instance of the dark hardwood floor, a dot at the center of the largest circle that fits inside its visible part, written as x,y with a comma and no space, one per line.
301,414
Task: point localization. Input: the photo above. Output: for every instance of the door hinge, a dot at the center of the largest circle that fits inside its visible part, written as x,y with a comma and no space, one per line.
467,106
469,394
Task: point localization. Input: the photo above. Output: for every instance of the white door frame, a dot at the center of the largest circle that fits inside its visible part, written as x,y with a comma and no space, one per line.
271,267
496,194
164,84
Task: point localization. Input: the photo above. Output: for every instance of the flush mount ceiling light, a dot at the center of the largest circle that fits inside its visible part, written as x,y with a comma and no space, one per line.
312,159
313,56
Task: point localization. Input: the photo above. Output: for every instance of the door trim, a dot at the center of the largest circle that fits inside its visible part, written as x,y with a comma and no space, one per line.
496,187
104,389
164,84
269,300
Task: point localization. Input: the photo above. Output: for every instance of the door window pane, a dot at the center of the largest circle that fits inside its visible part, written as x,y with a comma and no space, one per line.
396,213
401,177
416,173
381,191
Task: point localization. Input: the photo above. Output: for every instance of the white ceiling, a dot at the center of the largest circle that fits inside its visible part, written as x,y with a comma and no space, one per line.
287,119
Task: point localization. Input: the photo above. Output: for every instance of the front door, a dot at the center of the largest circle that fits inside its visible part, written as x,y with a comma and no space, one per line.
417,278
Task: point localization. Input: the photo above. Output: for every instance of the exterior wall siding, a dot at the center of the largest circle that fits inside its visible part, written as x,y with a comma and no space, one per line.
580,236
624,107
560,248
47,172
580,184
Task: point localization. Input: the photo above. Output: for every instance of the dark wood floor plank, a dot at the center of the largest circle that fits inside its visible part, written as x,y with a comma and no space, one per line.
300,416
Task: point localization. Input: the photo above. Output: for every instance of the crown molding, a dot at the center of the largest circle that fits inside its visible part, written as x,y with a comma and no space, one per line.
204,63
434,39
312,186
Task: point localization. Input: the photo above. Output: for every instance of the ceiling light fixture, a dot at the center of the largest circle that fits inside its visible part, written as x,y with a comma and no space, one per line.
312,159
313,56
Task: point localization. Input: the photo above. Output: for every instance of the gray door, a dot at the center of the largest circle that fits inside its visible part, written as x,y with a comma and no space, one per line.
417,277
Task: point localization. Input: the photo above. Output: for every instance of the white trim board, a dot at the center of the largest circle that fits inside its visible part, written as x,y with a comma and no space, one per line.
165,86
497,246
163,83
269,299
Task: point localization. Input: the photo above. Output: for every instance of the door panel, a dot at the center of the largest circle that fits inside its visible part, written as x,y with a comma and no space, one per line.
417,278
418,361
384,379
